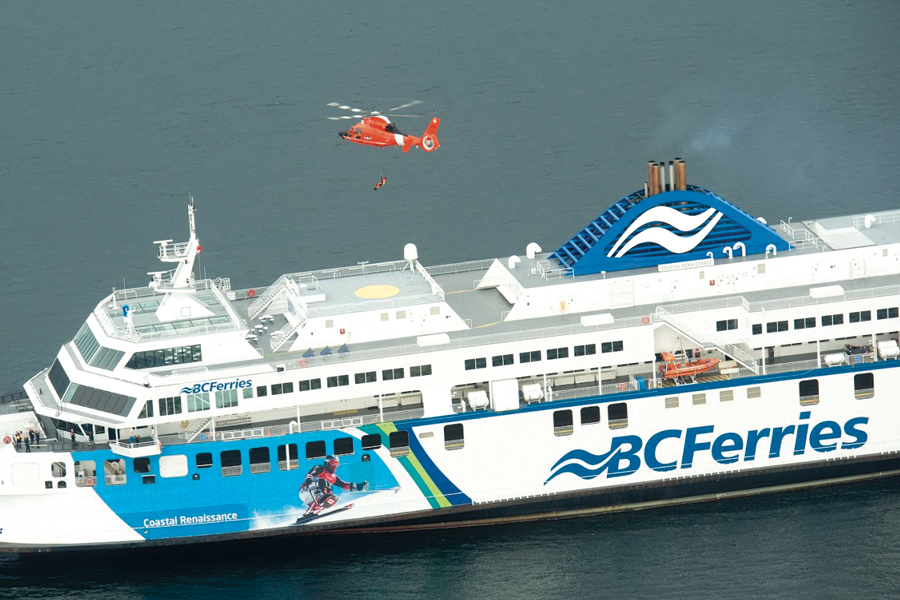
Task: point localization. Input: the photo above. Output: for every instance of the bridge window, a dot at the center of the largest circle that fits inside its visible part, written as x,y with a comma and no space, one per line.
85,473
420,371
114,472
288,459
247,392
562,423
165,357
58,378
261,391
399,441
369,377
343,446
502,360
142,465
169,406
259,460
453,437
86,343
618,415
590,415
231,463
859,317
863,385
315,449
371,441
809,392
805,323
204,460
756,328
586,350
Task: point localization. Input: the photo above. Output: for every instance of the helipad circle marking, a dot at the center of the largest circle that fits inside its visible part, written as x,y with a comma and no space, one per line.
377,292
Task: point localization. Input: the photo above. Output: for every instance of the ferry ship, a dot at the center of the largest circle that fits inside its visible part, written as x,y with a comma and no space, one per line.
675,349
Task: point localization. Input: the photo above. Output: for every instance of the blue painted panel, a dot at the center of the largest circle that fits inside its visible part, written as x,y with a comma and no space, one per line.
667,228
214,504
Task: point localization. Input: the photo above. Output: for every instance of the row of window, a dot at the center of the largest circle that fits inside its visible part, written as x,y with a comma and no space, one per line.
617,418
231,462
810,322
863,387
502,360
164,357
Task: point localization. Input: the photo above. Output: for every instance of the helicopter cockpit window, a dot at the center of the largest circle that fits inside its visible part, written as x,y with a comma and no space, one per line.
390,128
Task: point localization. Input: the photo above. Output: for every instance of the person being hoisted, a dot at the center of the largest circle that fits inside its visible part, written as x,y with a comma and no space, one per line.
319,483
381,183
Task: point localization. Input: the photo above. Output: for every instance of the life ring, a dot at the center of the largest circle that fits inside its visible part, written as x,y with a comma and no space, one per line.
7,439
302,362
184,424
623,387
645,320
251,293
90,481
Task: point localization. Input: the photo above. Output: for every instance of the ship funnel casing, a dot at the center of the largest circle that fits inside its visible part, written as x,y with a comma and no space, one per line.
671,227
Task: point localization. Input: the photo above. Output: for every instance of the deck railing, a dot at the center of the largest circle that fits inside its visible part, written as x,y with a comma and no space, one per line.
287,428
461,267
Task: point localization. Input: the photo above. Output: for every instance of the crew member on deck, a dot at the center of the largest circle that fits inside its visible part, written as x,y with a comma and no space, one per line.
381,183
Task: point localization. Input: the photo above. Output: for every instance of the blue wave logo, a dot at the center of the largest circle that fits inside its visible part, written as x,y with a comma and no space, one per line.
186,390
616,463
664,237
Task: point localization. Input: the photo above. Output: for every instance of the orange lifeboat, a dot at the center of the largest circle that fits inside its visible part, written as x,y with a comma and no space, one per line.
672,369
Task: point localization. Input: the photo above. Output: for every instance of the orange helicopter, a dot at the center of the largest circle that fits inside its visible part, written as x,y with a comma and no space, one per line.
376,129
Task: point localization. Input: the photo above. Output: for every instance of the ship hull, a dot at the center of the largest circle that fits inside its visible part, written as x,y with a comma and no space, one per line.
763,440
576,505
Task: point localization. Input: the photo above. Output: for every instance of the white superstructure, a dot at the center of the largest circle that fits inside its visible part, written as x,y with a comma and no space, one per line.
574,374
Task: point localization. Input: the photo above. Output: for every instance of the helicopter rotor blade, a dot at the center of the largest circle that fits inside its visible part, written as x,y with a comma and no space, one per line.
407,105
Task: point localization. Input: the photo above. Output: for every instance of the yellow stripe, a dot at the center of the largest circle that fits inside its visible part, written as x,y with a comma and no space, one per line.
414,463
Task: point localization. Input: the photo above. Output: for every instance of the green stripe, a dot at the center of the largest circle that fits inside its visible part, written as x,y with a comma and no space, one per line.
423,480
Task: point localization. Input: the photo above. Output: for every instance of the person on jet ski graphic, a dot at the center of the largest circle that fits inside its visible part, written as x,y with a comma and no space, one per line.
320,482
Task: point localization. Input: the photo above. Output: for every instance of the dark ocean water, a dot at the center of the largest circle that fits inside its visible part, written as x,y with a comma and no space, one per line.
113,113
